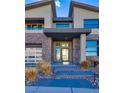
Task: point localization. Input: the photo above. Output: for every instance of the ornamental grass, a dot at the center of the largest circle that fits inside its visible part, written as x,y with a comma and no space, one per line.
92,62
84,65
30,74
44,67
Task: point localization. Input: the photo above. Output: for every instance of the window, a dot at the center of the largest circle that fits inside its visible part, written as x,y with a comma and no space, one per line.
65,44
34,26
91,23
62,25
58,44
33,55
34,23
91,48
62,44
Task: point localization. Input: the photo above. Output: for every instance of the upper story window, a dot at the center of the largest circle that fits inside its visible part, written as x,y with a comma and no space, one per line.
91,23
92,48
63,25
34,26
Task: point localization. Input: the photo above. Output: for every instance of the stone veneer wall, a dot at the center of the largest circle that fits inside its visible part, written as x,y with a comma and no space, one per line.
76,50
36,38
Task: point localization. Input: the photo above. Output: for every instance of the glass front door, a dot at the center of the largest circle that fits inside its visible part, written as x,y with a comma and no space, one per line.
62,51
58,54
65,54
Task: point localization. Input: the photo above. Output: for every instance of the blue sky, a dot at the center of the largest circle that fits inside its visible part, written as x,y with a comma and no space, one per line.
62,6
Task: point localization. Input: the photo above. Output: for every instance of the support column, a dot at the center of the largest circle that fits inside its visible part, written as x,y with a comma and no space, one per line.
49,49
76,50
82,47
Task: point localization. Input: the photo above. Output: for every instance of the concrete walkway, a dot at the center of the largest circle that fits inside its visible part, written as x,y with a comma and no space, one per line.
34,89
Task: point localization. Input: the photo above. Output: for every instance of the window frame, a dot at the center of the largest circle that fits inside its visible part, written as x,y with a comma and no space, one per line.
34,24
69,25
96,47
91,24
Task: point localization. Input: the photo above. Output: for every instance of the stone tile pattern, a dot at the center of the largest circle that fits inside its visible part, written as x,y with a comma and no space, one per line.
76,50
96,58
36,38
93,37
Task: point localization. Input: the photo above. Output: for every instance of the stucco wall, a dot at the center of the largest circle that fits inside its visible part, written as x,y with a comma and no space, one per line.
81,14
41,12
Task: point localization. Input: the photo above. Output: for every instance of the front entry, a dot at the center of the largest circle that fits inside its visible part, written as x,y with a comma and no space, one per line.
62,51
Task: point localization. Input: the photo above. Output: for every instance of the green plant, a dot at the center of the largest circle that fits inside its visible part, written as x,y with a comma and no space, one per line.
84,64
44,67
30,74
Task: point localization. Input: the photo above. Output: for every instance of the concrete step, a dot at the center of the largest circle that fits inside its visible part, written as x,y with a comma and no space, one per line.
74,72
61,67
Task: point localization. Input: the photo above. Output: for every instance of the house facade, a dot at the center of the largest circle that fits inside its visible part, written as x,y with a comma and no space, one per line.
71,39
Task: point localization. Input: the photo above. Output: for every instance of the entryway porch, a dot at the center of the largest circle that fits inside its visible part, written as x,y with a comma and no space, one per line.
68,44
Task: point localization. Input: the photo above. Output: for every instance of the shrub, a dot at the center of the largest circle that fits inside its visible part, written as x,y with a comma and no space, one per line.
96,63
91,61
84,64
44,67
30,74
